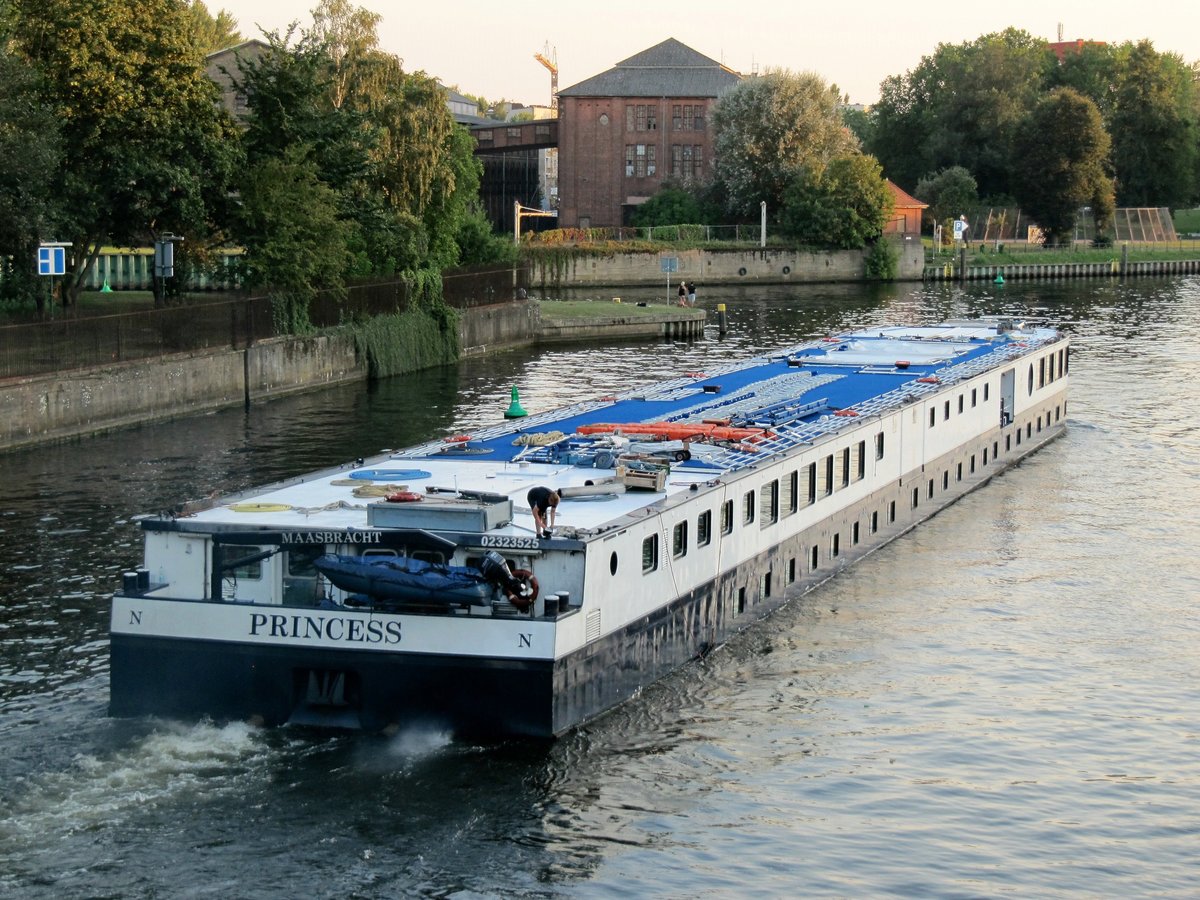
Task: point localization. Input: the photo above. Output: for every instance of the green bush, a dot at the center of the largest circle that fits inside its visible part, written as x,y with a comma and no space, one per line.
883,262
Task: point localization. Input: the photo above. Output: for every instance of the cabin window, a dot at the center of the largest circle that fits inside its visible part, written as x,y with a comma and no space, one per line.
727,517
854,533
1057,414
251,571
1042,372
892,512
768,503
748,507
930,488
874,521
1007,443
790,500
879,445
1031,379
1028,429
612,563
860,461
960,404
650,554
835,547
916,497
932,417
972,463
946,413
958,474
985,456
986,391
812,483
1064,361
814,558
946,478
974,397
704,528
828,487
764,586
300,579
845,454
792,570
1039,423
679,541
741,601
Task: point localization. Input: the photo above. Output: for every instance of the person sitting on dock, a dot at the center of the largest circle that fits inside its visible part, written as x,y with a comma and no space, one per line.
543,500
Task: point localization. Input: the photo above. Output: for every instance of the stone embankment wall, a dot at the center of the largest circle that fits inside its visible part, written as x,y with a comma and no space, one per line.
765,266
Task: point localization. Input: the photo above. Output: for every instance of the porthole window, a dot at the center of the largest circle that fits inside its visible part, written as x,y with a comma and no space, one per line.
612,563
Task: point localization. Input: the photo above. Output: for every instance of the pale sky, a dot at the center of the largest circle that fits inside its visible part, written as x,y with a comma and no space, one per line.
487,46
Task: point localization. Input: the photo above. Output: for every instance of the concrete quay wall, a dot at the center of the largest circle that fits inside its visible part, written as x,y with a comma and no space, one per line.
763,266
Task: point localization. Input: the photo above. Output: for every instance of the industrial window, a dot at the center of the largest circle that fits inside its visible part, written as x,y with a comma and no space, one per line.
687,117
650,554
748,503
704,528
676,160
727,517
485,137
542,131
641,117
879,445
790,499
679,540
639,160
768,504
513,133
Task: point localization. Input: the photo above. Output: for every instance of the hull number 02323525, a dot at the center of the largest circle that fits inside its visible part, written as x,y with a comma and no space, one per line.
510,543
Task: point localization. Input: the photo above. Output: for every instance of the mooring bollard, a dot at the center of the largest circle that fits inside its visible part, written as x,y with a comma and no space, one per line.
722,325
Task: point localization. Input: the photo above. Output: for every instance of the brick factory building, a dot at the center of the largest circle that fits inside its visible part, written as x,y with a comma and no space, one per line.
622,133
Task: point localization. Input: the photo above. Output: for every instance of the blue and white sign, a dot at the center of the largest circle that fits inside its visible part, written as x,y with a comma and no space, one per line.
669,263
52,260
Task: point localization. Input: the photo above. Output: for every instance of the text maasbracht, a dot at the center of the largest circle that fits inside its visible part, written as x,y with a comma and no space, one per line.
330,537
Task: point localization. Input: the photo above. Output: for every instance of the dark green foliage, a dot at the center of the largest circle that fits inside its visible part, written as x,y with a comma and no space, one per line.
1061,150
949,193
479,245
670,206
883,262
843,207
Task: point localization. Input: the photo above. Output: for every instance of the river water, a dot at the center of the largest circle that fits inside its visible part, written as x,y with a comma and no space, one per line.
1005,702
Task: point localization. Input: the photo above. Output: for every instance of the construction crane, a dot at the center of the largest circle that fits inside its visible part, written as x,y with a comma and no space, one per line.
549,58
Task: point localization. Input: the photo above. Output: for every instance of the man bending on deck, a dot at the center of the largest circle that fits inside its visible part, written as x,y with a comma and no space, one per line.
541,501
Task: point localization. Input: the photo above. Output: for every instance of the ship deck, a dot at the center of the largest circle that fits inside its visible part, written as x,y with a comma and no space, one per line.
792,396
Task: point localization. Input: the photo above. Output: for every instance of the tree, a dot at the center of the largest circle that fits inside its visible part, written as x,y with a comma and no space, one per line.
32,151
771,129
949,193
1061,156
961,107
845,206
1154,128
146,148
672,205
212,33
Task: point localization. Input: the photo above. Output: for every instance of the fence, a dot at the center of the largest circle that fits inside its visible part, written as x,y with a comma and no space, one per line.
77,342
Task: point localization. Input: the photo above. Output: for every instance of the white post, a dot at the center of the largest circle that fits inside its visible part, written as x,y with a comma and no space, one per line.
517,222
762,237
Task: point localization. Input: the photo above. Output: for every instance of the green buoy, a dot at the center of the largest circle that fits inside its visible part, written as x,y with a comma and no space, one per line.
514,410
999,278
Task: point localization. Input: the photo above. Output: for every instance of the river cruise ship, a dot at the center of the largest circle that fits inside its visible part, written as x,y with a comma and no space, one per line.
415,588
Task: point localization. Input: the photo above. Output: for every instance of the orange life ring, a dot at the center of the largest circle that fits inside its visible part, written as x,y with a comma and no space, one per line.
522,603
403,497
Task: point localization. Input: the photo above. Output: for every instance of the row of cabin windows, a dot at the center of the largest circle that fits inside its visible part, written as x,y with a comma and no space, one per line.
1051,367
962,404
779,497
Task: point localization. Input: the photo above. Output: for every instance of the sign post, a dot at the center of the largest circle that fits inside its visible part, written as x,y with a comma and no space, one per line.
669,264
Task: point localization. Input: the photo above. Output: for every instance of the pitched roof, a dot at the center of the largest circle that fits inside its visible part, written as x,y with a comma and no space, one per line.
904,200
669,69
